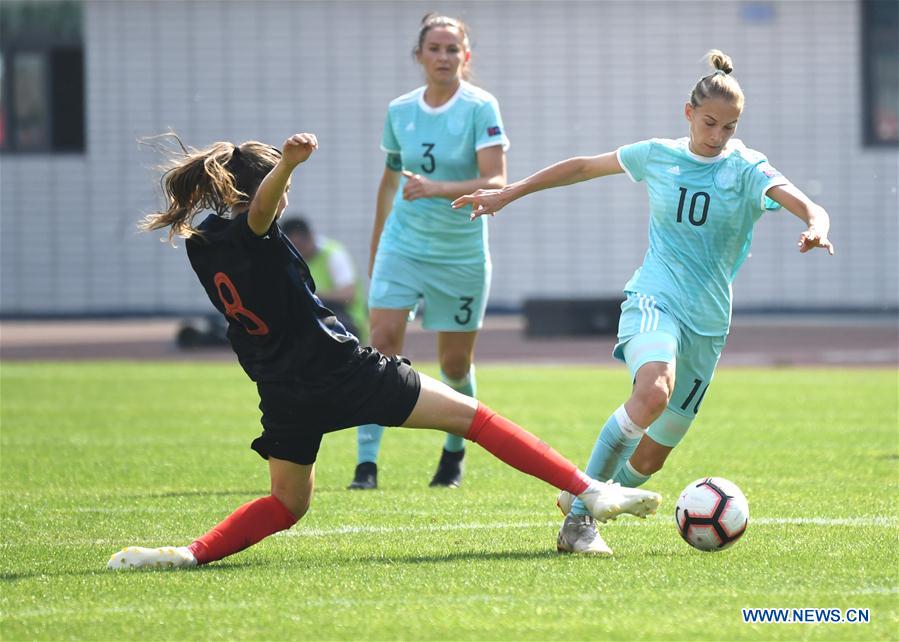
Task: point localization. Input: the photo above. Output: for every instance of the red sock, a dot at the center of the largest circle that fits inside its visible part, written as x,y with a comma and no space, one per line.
517,447
244,527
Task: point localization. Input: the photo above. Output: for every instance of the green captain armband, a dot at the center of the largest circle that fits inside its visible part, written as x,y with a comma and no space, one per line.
394,162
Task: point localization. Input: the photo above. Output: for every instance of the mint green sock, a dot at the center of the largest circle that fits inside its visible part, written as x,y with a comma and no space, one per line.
467,385
616,442
368,443
628,476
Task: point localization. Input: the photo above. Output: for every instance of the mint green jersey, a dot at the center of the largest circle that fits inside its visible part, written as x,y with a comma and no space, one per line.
701,215
441,144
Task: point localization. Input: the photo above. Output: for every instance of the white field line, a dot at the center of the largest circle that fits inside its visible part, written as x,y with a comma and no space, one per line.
885,522
829,521
875,520
300,531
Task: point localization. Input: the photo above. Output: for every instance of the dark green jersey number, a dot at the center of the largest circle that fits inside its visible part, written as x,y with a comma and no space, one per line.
432,162
466,308
693,202
696,384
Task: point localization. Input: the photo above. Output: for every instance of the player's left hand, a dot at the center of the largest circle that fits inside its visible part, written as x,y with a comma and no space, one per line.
812,238
417,186
298,148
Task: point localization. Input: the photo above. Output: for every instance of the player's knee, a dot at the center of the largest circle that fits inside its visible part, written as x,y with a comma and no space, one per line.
654,398
294,499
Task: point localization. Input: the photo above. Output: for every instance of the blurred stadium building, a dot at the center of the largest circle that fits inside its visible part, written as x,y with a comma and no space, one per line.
81,82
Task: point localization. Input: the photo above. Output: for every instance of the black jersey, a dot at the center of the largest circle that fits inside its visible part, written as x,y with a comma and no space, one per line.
278,328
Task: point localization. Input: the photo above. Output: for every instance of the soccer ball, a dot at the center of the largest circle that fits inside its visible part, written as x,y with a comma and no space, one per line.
711,514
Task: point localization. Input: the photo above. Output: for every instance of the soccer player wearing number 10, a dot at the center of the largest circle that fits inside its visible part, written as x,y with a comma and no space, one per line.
706,192
442,140
312,375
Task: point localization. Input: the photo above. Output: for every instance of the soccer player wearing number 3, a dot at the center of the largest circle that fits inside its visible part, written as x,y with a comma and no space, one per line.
312,375
442,140
706,192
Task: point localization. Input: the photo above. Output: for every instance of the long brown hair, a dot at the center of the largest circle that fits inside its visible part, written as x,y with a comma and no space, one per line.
718,84
220,178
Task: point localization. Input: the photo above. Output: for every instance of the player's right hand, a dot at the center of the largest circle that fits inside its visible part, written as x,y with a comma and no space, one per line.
812,238
483,201
298,148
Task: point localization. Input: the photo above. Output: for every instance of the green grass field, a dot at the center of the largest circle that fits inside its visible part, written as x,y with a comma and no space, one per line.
103,455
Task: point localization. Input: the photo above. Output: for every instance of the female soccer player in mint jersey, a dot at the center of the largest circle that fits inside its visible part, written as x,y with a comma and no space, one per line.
706,192
442,140
311,374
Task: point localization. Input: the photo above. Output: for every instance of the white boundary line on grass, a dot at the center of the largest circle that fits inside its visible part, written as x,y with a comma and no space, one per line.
884,522
870,520
873,520
300,531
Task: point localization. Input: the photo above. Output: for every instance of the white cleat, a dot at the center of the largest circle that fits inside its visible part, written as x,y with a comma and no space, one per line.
578,535
564,502
135,557
608,500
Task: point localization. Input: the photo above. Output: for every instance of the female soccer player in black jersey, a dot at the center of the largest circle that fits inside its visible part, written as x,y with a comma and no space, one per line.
312,376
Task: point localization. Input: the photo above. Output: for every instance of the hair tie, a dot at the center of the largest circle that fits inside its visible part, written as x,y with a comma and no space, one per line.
717,72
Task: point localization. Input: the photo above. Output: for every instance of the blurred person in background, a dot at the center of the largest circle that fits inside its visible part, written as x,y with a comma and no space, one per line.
706,193
332,269
442,140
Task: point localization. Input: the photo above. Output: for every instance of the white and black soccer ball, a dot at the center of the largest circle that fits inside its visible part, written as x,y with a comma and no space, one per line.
711,514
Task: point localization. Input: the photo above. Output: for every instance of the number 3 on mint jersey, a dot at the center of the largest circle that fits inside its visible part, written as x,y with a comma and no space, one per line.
432,162
466,308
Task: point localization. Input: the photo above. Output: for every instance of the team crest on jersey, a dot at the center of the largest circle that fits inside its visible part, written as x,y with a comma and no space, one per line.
726,176
768,171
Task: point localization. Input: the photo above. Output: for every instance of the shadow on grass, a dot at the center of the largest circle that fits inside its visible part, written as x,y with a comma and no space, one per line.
213,568
466,556
303,563
547,554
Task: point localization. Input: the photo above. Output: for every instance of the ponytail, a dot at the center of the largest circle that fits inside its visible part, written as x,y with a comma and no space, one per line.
718,84
221,177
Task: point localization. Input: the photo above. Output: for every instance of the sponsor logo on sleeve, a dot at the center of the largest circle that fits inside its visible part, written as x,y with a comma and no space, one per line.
494,131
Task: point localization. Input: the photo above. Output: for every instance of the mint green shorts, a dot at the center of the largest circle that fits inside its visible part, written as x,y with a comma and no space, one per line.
454,296
648,332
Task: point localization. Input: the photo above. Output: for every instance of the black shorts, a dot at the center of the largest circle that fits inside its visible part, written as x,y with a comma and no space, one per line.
373,389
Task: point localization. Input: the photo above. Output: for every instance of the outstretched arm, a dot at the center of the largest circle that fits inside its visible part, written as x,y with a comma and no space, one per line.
810,212
566,172
296,149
